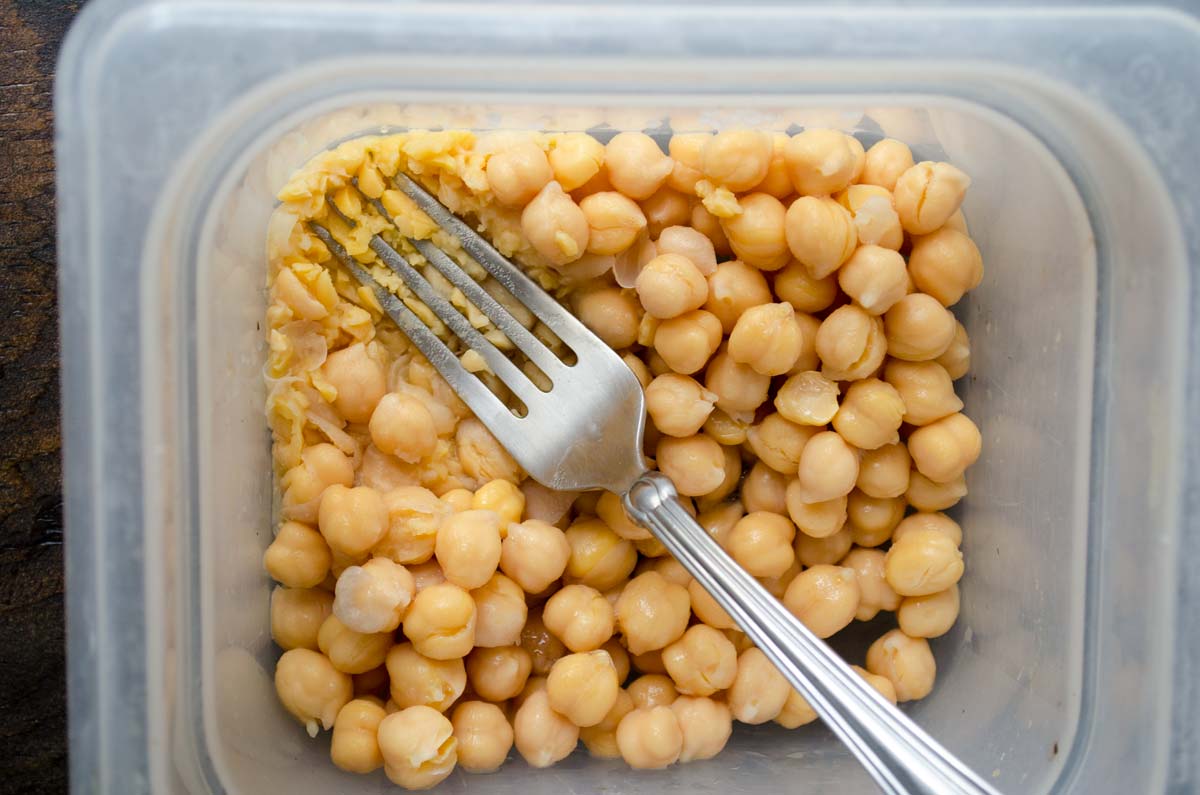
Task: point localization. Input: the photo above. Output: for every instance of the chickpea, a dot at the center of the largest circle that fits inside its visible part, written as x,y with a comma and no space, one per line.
599,557
373,597
928,194
929,521
555,225
543,737
355,746
761,543
707,609
614,221
298,557
825,598
706,725
468,547
441,622
501,497
779,443
575,158
653,690
926,495
321,466
426,574
759,691
828,468
929,616
764,489
500,612
612,313
872,519
670,285
767,338
734,288
870,414
797,286
874,592
484,736
923,562
601,739
874,213
359,380
481,455
583,687
945,264
534,554
875,277
402,426
882,684
756,234
652,612
650,739
918,328
418,746
883,472
687,242
352,520
536,684
738,387
636,166
580,616
709,225
820,162
823,551
679,405
297,615
957,358
311,689
719,520
619,655
808,360
943,449
776,182
610,510
851,344
696,464
515,175
416,679
808,398
371,684
649,662
686,151
796,711
925,388
816,519
886,160
737,159
820,234
906,662
667,208
701,662
499,673
414,515
727,429
732,464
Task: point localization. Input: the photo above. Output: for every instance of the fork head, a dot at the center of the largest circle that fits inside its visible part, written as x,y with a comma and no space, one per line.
585,430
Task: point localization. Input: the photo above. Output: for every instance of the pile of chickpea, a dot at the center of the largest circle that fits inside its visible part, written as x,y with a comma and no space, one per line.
786,308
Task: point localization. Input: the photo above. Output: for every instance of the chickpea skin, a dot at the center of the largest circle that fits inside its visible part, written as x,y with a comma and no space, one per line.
886,160
515,175
579,616
359,380
828,468
884,472
555,226
851,344
906,662
352,520
679,405
929,616
575,158
542,736
321,466
756,234
874,592
298,557
636,166
500,612
614,221
601,739
696,464
311,689
534,554
599,558
670,285
923,562
418,746
737,159
762,543
468,547
373,597
652,612
872,519
918,328
824,598
297,615
441,622
928,194
808,398
945,264
737,386
823,551
583,687
612,313
759,691
767,338
484,736
870,414
701,662
402,426
764,489
706,725
650,739
416,679
929,521
875,277
926,389
943,449
820,162
355,745
820,233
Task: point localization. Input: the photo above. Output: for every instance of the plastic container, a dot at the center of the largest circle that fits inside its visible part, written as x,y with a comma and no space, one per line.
1072,667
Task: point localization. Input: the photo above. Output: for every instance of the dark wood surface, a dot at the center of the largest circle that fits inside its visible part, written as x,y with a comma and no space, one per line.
33,745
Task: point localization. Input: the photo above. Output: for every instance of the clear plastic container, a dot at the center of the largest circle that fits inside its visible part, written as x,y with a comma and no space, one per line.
1072,667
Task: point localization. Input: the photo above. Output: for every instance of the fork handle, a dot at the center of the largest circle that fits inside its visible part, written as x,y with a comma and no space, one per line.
901,757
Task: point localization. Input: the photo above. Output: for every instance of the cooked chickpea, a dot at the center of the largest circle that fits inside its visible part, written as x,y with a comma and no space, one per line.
926,389
872,519
696,464
599,557
414,515
321,466
297,615
355,744
816,519
667,208
820,162
874,213
736,159
500,612
734,288
737,386
883,472
679,405
534,554
649,662
759,691
875,277
371,684
927,194
923,562
707,609
579,616
670,285
957,358
764,489
612,313
418,746
636,166
583,687
555,226
687,242
499,673
706,725
575,158
686,342
650,739
779,443
820,233
929,616
727,429
601,739
943,449
796,711
874,592
825,598
709,225
945,264
851,344
906,662
777,182
402,426
311,689
484,736
718,521
797,286
416,679
352,520
614,221
359,380
544,648
542,736
373,597
654,689
515,175
886,160
468,547
502,497
823,551
652,612
870,414
767,339
762,543
298,557
926,495
701,662
828,468
610,510
882,684
929,521
808,398
441,622
918,328
756,234
686,150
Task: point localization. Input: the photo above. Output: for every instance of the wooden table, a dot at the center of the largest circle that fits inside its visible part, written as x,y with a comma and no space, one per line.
33,747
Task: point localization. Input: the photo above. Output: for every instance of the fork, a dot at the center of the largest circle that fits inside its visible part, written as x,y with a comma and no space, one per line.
585,432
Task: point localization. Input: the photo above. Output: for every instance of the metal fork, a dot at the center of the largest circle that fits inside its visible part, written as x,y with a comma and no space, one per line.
586,433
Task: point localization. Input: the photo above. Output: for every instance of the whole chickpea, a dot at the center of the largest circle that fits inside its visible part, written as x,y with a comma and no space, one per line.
874,213
738,387
502,497
728,429
414,515
599,557
928,194
797,286
707,609
679,405
734,288
820,233
929,521
764,489
706,725
957,358
808,398
612,313
883,472
943,449
709,225
923,562
926,389
416,679
687,242
542,736
886,160
650,739
601,739
555,226
906,662
686,342
321,466
670,285
875,277
918,328
701,662
579,616
767,338
945,264
926,495
779,443
311,689
820,162
666,208
719,520
636,166
696,464
610,510
500,612
359,379
882,684
352,520
823,551
872,519
652,612
355,745
756,234
468,547
575,158
441,622
825,598
737,159
544,648
402,426
870,414
484,736
777,182
762,543
686,150
418,747
733,476
298,557
614,221
583,687
500,673
874,592
373,597
796,712
534,554
929,616
816,519
851,344
515,175
483,458
828,468
650,664
297,615
759,691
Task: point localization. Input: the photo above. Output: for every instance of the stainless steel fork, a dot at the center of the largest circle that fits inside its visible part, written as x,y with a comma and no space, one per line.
586,433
